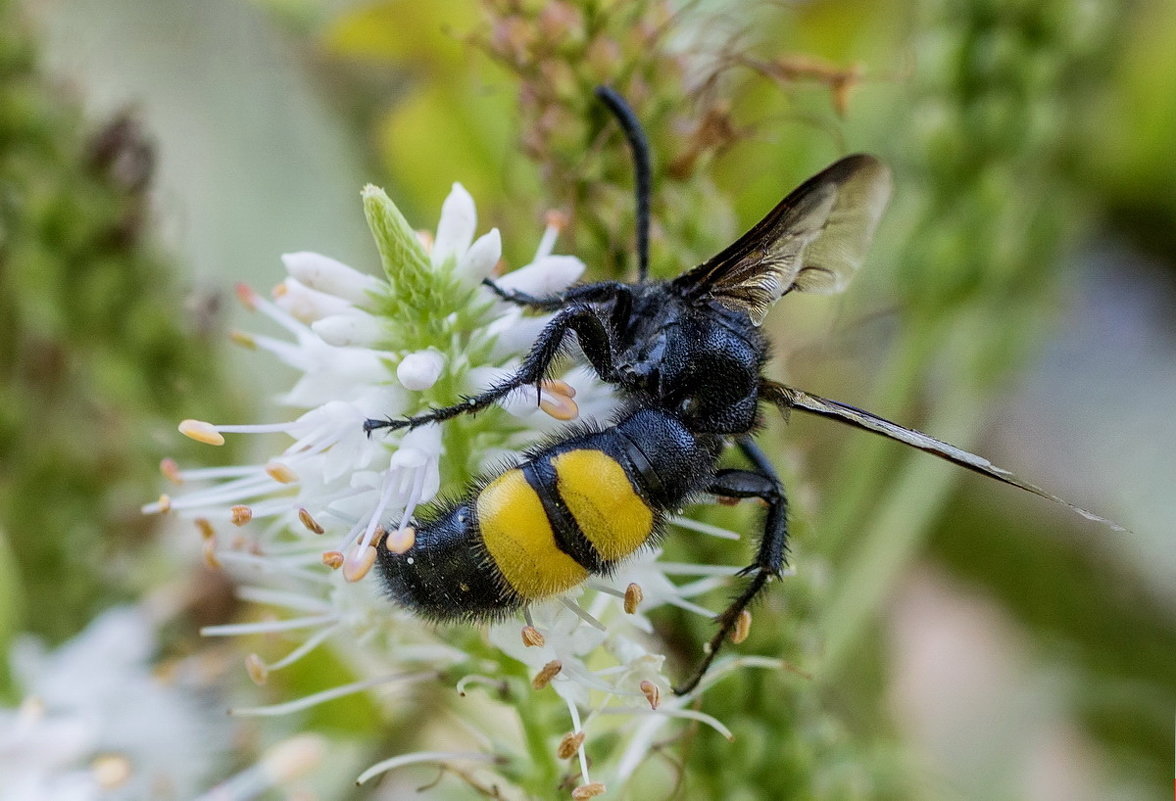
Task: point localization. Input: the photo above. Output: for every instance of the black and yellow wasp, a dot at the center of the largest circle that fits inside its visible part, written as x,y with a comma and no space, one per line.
687,358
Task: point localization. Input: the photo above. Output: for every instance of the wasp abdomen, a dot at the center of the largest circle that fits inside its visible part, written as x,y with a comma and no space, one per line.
573,509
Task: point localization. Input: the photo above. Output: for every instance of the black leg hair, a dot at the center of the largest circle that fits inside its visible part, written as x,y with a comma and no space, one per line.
770,557
594,341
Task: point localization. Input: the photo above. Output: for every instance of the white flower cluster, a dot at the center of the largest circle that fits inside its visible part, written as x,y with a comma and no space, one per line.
374,348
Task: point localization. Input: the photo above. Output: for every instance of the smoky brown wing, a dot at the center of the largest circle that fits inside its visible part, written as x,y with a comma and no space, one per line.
814,240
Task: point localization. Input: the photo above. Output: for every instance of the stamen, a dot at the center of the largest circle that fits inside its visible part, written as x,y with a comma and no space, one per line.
555,398
246,295
674,712
111,771
532,637
243,338
651,692
546,674
633,598
475,678
560,386
207,532
160,507
201,432
240,515
742,627
267,626
420,756
312,642
308,521
555,222
359,563
257,670
333,559
579,612
590,790
306,702
401,540
293,758
569,744
280,473
208,553
170,470
703,528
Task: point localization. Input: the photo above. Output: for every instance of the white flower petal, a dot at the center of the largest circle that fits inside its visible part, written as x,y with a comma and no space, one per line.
455,229
306,304
480,259
352,328
333,277
421,369
547,276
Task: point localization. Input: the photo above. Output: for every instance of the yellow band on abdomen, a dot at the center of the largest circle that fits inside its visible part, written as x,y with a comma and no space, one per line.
519,538
593,485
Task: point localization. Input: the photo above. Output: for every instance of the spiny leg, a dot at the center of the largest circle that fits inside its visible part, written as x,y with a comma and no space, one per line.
587,293
594,339
760,483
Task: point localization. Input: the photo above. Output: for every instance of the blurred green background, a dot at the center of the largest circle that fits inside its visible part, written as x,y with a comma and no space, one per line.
1020,302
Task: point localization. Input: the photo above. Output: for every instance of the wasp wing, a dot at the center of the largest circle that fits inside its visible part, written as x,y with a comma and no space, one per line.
788,397
813,241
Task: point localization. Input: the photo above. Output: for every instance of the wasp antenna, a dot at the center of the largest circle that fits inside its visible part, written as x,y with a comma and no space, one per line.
639,146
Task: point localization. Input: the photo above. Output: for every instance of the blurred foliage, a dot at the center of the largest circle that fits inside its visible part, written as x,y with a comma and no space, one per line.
96,346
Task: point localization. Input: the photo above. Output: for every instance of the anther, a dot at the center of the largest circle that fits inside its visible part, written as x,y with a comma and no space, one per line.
569,744
633,598
246,296
240,515
280,473
556,399
357,565
532,637
651,692
243,339
307,520
201,432
256,669
554,218
171,470
333,559
111,771
560,386
207,532
586,791
742,627
208,552
400,540
546,674
163,504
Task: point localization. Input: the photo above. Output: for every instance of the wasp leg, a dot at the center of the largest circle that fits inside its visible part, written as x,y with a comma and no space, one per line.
762,483
594,340
587,293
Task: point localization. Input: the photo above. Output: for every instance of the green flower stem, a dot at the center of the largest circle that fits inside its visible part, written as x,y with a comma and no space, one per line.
546,769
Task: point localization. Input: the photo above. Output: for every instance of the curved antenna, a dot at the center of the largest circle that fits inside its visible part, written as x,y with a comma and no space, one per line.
639,147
